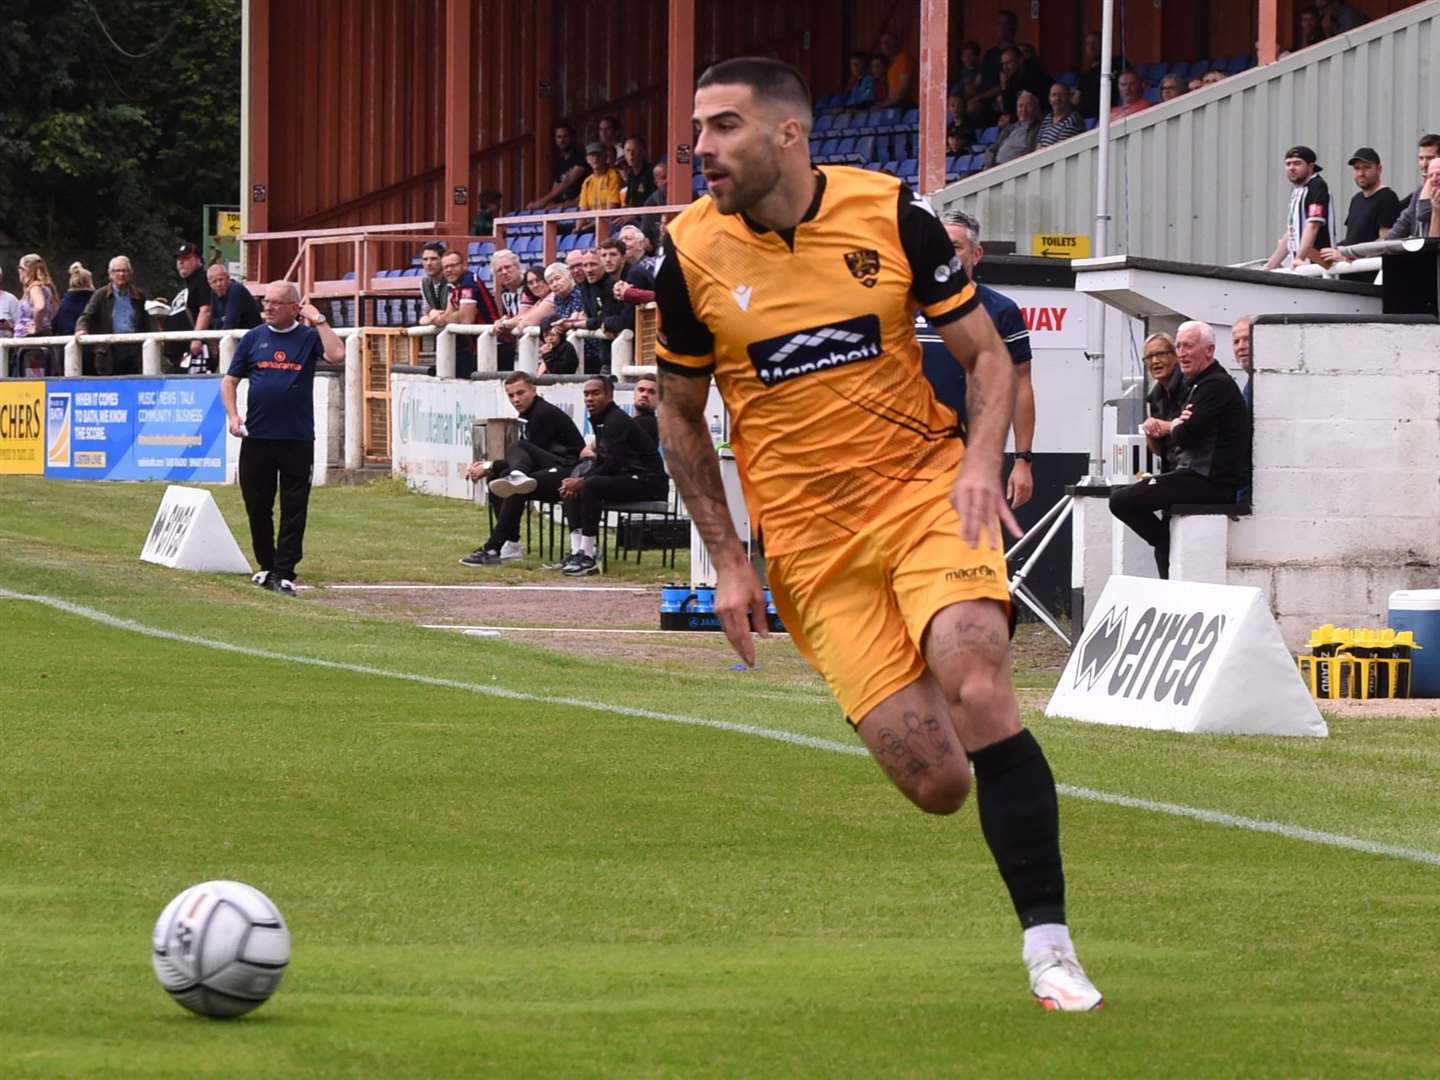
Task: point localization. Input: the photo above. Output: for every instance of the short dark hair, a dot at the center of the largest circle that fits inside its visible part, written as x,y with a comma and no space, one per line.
861,55
490,197
563,125
1430,139
519,377
768,80
608,380
435,246
611,244
614,121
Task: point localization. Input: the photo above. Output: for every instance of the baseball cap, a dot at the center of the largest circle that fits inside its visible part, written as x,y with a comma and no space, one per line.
1304,153
186,249
595,148
1364,154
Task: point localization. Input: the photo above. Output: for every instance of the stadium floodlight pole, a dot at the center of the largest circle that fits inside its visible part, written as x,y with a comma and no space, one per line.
1102,221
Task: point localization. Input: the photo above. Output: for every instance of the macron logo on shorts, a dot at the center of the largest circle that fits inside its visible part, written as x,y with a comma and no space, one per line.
817,348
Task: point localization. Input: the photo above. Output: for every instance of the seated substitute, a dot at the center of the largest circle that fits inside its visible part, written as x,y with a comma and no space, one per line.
647,398
1211,437
627,468
548,448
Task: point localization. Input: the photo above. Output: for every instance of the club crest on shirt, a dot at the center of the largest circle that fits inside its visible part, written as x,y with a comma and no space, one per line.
864,265
279,356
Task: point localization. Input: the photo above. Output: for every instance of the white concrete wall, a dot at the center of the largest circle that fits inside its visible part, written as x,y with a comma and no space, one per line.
1347,472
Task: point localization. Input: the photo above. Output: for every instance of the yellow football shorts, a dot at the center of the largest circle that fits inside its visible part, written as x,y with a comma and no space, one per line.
858,611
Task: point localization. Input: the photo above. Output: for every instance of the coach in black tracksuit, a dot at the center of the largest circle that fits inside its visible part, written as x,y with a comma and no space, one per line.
627,469
1209,442
278,432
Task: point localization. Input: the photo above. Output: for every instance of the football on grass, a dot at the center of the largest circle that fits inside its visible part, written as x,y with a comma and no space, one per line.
220,948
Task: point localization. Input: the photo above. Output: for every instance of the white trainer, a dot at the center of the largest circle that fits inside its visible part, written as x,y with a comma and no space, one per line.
517,483
261,579
1060,984
511,550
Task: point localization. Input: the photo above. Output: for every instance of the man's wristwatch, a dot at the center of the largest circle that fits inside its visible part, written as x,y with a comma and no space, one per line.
318,319
1026,456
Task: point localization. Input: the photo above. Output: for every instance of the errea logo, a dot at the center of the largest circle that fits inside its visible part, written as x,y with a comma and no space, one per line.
816,348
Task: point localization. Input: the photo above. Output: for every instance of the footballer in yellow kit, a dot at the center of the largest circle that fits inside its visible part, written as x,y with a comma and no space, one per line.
796,287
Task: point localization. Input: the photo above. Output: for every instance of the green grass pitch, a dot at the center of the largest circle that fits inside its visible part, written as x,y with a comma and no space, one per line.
487,886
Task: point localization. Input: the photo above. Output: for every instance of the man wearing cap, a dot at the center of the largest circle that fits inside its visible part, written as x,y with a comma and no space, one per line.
1373,210
1307,224
602,189
194,296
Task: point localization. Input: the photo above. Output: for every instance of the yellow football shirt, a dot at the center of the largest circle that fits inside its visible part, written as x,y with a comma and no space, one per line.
601,191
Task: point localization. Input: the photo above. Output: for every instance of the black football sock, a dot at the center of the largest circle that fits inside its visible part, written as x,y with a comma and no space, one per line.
1020,817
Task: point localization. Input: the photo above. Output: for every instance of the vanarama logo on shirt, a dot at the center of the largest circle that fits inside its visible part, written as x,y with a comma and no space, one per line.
817,348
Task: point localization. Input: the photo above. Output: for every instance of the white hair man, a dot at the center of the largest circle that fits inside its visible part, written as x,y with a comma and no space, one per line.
277,432
512,299
116,308
1211,443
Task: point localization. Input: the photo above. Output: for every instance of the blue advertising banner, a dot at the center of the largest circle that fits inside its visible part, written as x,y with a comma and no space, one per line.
135,429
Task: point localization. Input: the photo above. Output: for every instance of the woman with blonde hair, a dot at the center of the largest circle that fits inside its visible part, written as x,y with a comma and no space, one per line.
38,304
72,306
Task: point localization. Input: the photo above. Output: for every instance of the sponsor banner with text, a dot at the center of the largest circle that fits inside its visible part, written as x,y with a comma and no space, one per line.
22,427
135,429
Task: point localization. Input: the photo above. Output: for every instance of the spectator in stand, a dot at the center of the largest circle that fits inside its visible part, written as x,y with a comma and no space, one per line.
1167,390
612,257
1193,85
602,189
860,86
1240,346
277,434
1064,120
1373,209
1343,17
232,305
638,250
641,183
434,289
1016,77
1087,87
597,292
117,308
561,309
469,304
1019,137
1211,438
532,468
611,134
483,224
635,283
195,300
510,299
1171,87
574,259
38,304
899,75
535,287
568,173
1420,218
72,304
1307,222
1006,26
954,111
627,468
1426,151
1310,33
1211,77
967,77
9,310
1132,96
957,140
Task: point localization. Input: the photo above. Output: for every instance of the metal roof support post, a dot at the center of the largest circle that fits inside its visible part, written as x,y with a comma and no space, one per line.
1096,325
679,103
934,37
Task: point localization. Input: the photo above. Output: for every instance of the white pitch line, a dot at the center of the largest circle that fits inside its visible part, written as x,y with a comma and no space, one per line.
1212,817
475,588
674,634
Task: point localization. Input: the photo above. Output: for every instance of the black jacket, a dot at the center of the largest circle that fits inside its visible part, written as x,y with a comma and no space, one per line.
550,428
1165,399
1216,441
622,448
648,422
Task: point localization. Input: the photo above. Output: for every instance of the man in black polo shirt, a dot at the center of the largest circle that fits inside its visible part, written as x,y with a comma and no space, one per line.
190,309
1211,437
232,306
1373,209
533,467
278,431
627,468
569,172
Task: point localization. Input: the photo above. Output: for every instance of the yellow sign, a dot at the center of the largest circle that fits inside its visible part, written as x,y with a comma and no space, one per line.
22,428
1060,246
227,223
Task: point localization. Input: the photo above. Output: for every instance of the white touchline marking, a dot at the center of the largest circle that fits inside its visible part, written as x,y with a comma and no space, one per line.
677,635
814,742
475,588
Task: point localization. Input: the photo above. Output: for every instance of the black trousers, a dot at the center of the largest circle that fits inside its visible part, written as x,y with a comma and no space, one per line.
547,468
584,510
1136,506
266,464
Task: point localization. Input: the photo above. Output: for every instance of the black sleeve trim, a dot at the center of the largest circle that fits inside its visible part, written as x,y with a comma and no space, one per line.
958,313
684,369
935,271
681,330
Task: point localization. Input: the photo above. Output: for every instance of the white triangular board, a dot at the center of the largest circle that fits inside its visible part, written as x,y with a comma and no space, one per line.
1185,656
189,533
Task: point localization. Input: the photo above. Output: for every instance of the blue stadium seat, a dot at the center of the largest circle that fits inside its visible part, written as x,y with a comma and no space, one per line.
885,121
844,150
988,136
823,123
473,248
911,120
829,148
910,167
873,166
1090,124
1068,78
1198,68
864,150
1152,95
697,186
1151,72
1236,64
349,275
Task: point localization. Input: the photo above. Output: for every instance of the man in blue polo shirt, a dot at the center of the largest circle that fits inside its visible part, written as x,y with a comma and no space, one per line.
277,435
948,378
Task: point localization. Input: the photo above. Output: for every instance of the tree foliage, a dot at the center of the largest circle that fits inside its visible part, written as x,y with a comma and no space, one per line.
103,152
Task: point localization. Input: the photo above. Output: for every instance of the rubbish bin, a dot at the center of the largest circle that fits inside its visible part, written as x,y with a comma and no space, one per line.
1418,610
